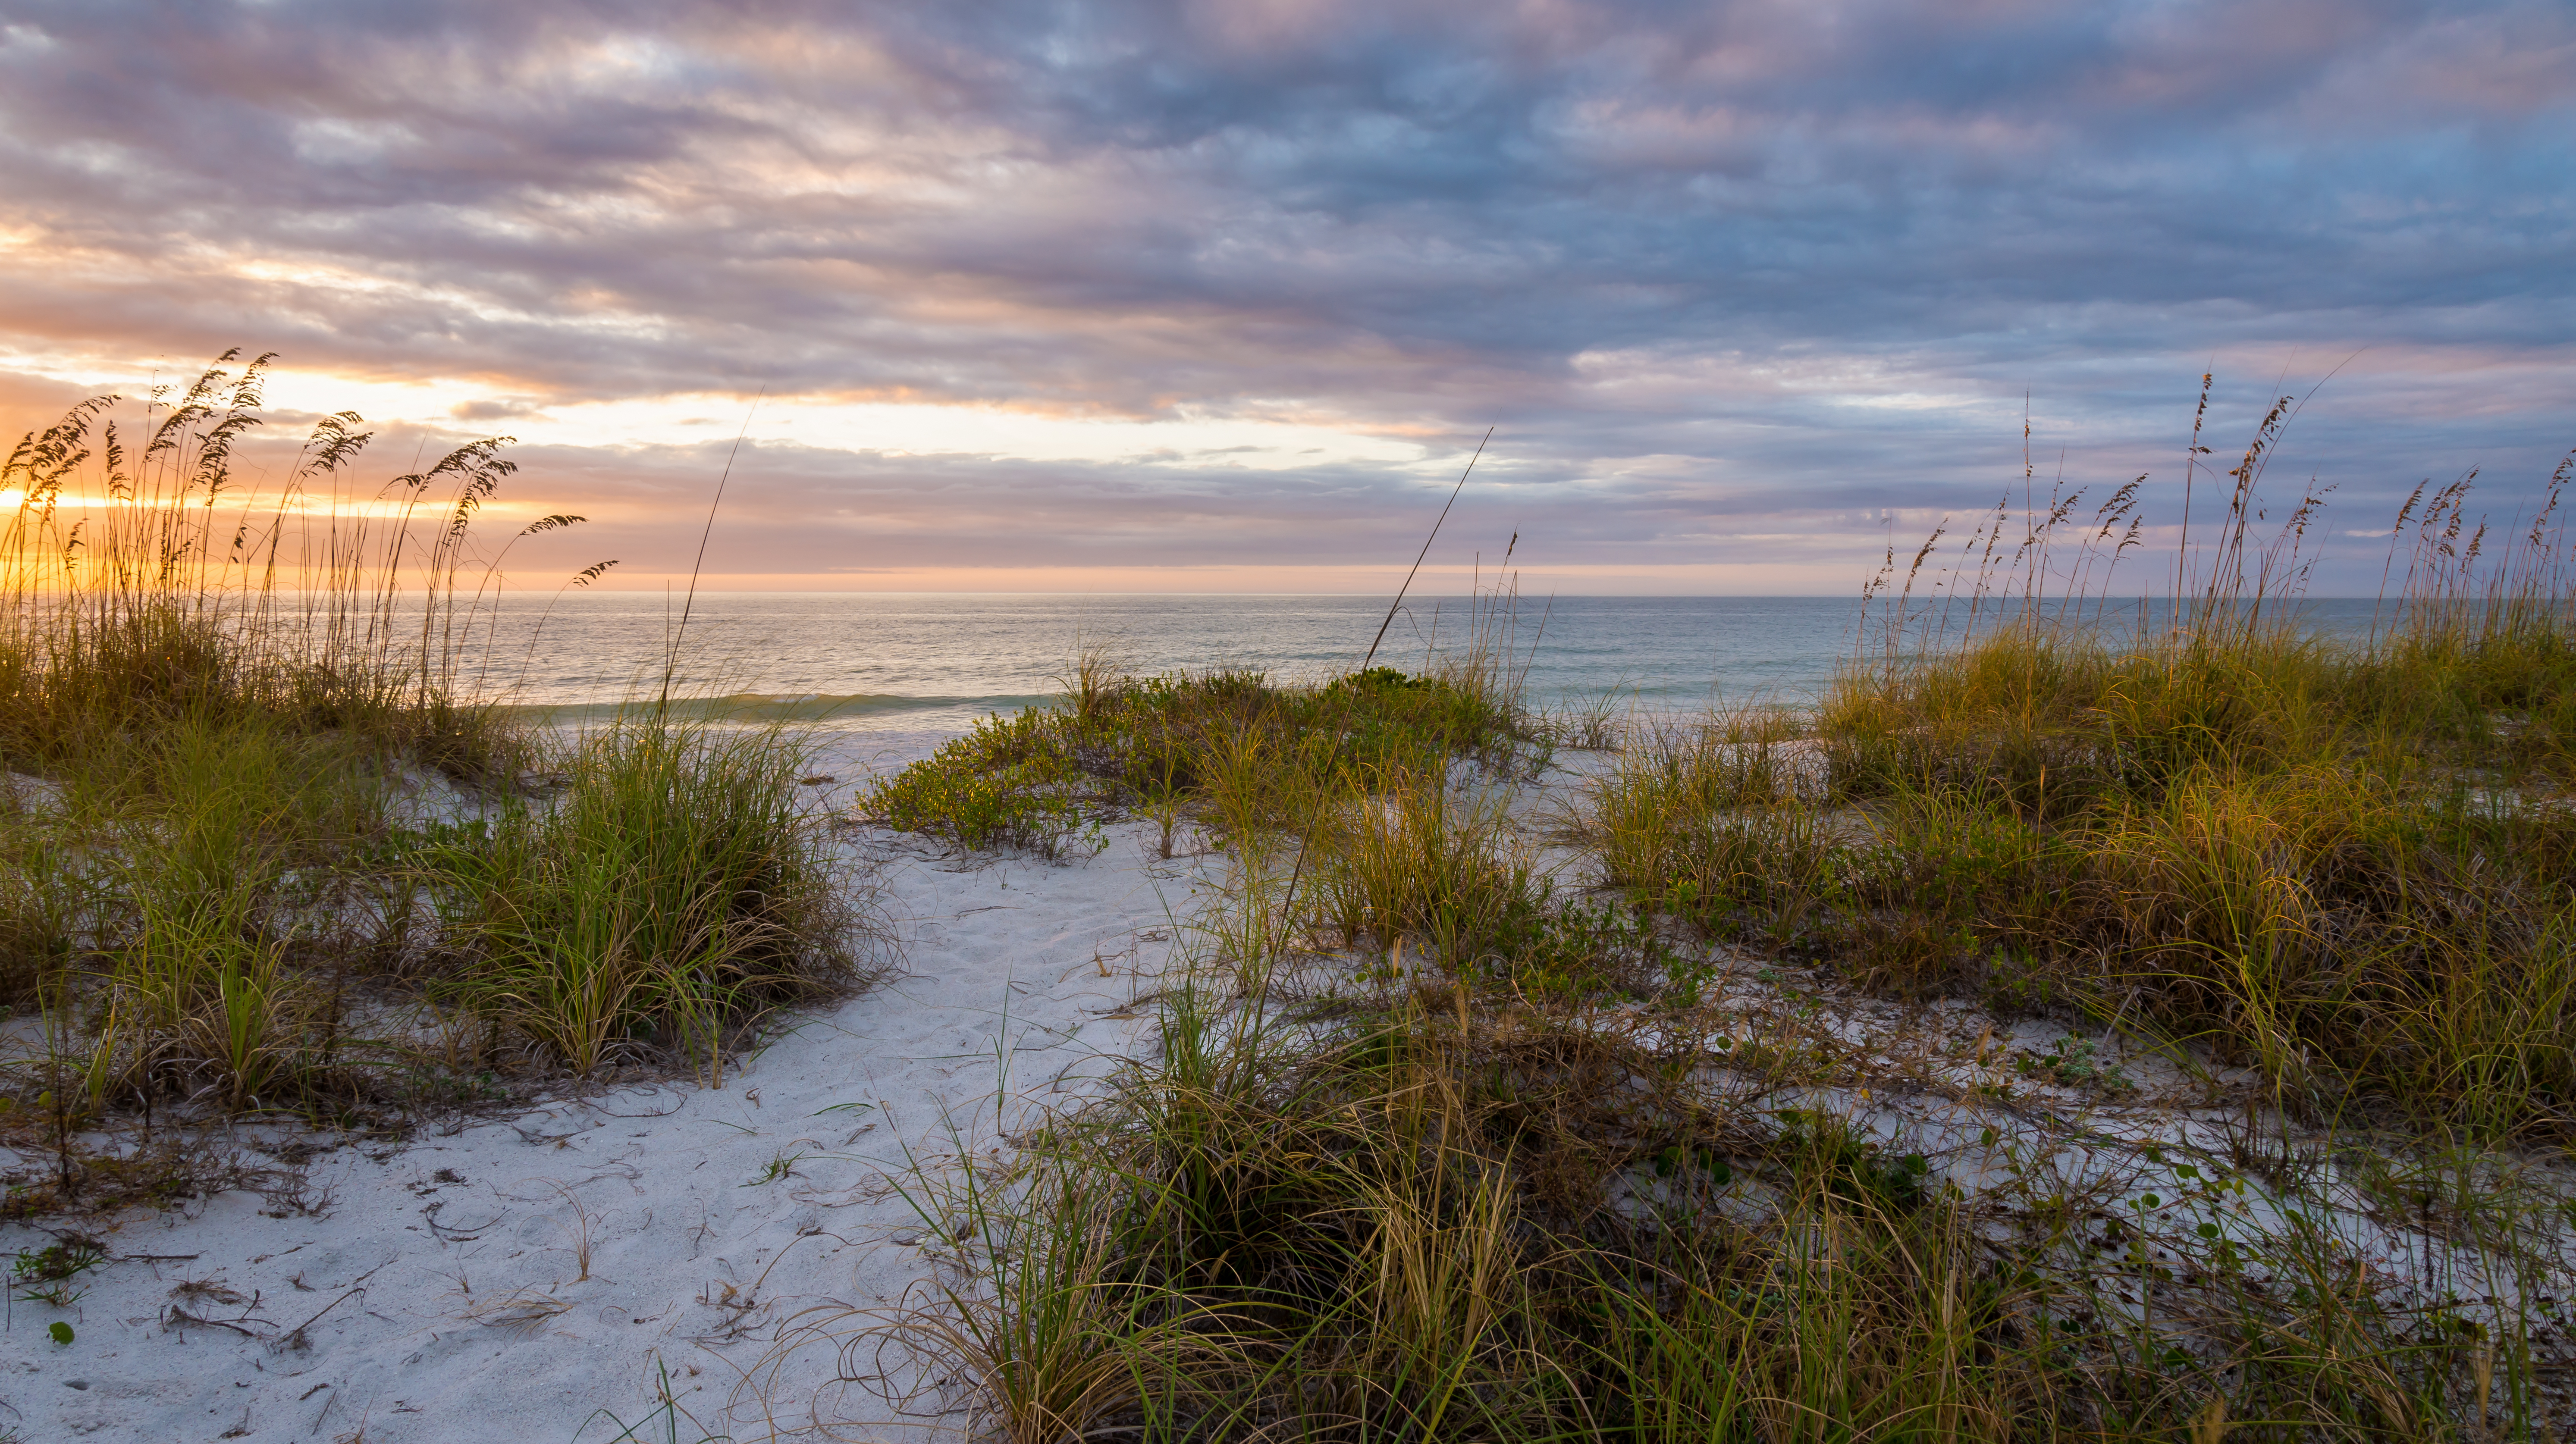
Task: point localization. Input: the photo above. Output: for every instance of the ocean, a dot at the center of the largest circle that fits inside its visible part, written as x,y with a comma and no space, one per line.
934,663
938,662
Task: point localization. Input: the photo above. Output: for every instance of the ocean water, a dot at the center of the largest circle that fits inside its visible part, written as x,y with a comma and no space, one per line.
909,662
934,663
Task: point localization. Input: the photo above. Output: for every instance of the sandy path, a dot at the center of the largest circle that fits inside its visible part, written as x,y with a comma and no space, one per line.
444,1281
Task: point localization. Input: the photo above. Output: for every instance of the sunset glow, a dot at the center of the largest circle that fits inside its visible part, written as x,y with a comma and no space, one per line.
979,302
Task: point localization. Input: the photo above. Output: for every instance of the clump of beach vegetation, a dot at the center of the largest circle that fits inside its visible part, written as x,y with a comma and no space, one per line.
272,842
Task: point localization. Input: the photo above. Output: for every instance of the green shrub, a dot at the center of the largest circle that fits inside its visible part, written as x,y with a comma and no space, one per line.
1005,784
670,895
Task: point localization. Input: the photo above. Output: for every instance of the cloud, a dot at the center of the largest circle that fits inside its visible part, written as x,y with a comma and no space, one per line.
1718,270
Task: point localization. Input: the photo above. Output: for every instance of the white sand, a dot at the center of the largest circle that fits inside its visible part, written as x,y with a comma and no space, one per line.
438,1294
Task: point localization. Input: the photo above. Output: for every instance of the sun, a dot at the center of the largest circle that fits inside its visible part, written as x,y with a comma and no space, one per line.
12,497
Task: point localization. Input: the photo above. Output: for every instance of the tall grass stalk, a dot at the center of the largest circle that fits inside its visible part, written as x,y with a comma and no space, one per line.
142,576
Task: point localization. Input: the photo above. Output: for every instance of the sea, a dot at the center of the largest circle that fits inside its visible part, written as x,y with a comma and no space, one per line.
928,664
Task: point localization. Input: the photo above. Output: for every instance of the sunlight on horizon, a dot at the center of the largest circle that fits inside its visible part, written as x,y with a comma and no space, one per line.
469,409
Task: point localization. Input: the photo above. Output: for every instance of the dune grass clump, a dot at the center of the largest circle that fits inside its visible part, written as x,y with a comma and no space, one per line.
150,582
1378,1239
2346,861
673,894
2388,935
1240,752
269,842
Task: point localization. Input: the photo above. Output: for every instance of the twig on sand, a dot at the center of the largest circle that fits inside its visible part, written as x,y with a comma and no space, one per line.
294,1337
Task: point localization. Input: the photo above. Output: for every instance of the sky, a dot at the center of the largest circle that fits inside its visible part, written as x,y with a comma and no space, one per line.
1082,295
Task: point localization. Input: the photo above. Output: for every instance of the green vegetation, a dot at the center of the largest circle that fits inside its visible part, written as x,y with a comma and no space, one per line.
267,841
672,894
1723,1129
2348,864
1243,754
1441,1202
1694,1111
45,1275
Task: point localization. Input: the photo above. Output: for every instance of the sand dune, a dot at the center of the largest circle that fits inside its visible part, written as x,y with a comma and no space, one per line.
512,1278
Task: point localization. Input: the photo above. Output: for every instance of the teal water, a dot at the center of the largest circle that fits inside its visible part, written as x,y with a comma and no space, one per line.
926,662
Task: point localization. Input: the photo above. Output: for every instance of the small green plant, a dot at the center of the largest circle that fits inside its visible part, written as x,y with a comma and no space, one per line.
45,1275
61,1332
1826,1150
662,1424
1005,784
775,1169
2077,1062
1596,951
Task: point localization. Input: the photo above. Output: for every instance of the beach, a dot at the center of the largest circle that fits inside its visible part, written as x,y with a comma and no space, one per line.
805,1242
1287,724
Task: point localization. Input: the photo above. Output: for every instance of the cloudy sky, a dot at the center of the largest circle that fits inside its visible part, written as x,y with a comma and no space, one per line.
1090,295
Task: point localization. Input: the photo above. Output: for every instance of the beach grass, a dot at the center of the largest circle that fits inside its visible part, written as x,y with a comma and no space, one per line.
2346,862
1444,1214
670,897
274,844
1711,1108
1246,756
